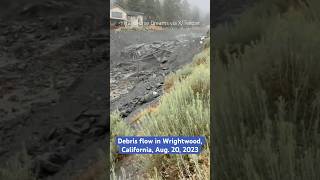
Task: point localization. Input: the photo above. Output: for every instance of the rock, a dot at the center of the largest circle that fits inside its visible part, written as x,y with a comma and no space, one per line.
155,94
159,85
164,60
124,113
147,98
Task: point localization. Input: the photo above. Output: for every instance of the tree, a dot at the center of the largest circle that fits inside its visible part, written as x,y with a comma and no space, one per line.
206,19
121,3
171,10
195,14
149,9
157,9
135,5
185,9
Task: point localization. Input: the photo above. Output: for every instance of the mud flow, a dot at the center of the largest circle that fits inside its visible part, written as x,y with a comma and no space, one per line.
141,61
53,65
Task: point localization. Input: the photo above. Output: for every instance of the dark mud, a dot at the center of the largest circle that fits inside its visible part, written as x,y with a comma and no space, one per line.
53,65
136,83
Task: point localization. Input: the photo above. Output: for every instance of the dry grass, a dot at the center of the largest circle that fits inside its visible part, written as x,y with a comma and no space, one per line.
169,83
202,58
150,109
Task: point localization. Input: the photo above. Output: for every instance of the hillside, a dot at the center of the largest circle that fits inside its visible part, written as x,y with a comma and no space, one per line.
266,103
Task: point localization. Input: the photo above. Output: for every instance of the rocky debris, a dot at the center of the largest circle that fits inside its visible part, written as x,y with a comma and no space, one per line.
149,97
43,59
149,50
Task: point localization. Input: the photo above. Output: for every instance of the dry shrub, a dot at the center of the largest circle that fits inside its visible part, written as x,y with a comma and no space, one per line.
169,83
150,109
202,58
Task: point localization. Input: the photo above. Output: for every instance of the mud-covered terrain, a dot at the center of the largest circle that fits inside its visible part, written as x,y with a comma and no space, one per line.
141,60
53,100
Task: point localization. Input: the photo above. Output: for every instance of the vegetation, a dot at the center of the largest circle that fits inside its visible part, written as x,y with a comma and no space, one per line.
266,102
169,10
183,110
